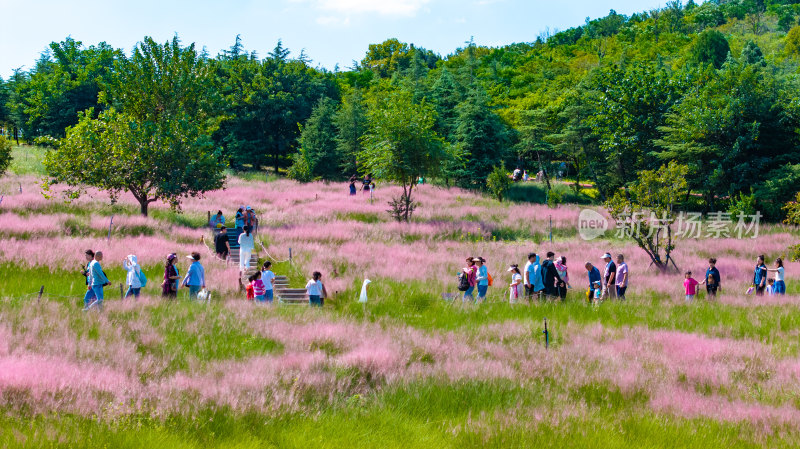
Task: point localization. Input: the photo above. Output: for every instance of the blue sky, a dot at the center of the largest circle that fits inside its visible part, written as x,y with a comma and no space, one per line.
330,31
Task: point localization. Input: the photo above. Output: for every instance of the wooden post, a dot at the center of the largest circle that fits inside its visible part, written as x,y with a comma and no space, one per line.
209,218
121,293
109,228
41,291
290,256
546,335
20,187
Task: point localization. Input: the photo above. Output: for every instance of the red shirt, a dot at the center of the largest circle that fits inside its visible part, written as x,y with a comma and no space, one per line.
691,286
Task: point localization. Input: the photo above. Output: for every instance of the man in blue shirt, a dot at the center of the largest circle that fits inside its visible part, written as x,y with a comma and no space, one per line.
196,276
712,279
594,278
97,280
760,276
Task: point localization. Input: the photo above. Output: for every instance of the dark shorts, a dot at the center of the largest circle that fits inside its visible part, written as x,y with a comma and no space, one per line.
621,292
315,300
712,290
760,290
222,254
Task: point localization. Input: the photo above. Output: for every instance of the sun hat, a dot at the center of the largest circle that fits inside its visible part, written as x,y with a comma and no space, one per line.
607,255
248,208
510,269
172,256
190,257
476,259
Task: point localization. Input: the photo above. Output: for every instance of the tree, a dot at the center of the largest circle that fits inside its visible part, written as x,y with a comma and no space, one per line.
710,47
401,146
482,138
351,124
648,210
498,182
318,143
793,41
5,154
155,142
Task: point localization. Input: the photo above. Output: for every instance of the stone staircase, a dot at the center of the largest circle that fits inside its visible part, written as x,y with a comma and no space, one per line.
286,295
233,241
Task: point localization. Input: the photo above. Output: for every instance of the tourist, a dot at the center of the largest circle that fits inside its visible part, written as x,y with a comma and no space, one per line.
97,280
364,290
246,245
537,280
250,220
268,277
259,289
527,274
221,245
366,184
196,276
595,280
353,185
133,279
89,256
169,287
552,281
525,177
239,219
690,285
316,290
622,277
482,278
515,290
712,278
760,276
609,277
770,287
561,267
218,221
780,285
470,272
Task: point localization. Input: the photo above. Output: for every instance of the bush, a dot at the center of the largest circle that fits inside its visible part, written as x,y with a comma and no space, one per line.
792,209
301,169
498,182
5,154
742,204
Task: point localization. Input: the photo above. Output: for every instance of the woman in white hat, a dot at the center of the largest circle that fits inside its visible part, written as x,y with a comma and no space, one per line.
516,288
133,279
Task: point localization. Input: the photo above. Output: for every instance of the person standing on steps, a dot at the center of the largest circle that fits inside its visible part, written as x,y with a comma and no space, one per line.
268,277
246,245
221,245
239,220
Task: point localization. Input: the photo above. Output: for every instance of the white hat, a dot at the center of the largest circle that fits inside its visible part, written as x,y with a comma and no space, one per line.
606,255
190,257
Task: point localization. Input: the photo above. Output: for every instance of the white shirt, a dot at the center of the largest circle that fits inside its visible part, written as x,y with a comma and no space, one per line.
267,277
133,275
246,243
527,265
779,274
314,288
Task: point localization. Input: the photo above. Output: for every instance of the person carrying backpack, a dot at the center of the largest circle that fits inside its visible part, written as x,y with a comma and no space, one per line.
250,220
135,276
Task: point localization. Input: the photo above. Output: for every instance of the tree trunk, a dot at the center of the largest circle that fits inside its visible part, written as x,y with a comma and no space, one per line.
275,160
544,172
143,204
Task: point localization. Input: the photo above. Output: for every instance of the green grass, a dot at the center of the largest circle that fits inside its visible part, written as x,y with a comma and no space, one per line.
416,415
27,160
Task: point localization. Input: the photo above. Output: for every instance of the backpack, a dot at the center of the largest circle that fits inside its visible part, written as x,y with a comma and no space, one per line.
249,218
490,279
463,282
142,278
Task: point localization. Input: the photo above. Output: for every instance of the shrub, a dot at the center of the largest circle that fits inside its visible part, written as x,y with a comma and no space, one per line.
498,182
5,154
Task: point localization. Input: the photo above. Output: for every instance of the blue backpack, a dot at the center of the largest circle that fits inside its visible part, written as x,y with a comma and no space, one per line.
142,278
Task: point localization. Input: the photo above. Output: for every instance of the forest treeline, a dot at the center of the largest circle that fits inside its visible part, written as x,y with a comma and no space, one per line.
711,86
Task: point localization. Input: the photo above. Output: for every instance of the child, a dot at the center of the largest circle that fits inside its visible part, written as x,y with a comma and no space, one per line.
515,289
259,289
268,278
249,289
316,291
770,287
712,278
691,286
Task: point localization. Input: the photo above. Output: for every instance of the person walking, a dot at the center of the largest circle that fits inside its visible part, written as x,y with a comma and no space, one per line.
482,278
552,281
196,276
169,287
527,275
239,219
89,256
221,245
622,277
246,245
259,289
133,279
563,272
316,290
690,286
218,220
515,289
97,280
712,278
595,280
780,284
470,272
760,276
268,277
609,277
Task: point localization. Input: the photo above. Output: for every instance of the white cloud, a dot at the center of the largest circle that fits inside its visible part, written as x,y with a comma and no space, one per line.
403,8
333,21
